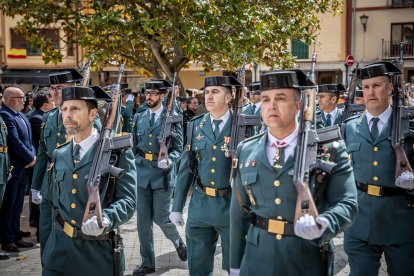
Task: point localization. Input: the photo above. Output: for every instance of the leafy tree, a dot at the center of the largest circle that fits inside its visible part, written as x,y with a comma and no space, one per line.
163,36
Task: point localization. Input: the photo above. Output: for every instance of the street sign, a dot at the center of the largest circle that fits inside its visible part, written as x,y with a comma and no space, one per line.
349,60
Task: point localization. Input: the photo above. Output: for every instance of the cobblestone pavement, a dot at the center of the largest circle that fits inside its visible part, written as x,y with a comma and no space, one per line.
27,262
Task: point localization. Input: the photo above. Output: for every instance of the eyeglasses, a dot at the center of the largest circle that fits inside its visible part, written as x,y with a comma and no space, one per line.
152,93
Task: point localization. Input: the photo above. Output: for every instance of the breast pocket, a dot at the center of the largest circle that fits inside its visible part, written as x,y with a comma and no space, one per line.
58,186
249,182
46,134
354,154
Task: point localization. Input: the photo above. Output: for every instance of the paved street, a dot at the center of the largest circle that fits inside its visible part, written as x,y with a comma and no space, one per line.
27,262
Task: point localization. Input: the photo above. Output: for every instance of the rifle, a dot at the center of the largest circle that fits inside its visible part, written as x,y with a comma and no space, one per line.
350,107
108,143
86,72
307,160
169,118
240,121
401,115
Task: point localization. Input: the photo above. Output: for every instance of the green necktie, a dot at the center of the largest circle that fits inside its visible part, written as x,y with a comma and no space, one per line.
76,153
374,129
152,120
254,109
280,155
216,128
328,120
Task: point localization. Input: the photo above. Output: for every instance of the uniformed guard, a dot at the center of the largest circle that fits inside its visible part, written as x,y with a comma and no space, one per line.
127,108
76,248
264,240
254,106
328,96
155,189
206,166
385,223
52,135
4,167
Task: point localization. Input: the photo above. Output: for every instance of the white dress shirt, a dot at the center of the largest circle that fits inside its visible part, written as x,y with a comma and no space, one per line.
157,113
383,119
87,143
333,114
223,119
290,140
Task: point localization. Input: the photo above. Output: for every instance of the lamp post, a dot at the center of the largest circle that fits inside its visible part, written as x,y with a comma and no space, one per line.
255,65
364,21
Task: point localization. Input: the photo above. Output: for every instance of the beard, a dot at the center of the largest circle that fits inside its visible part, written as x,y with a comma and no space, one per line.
152,103
73,129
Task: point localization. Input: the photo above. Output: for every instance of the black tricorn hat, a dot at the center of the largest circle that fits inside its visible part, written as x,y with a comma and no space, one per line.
285,79
67,76
378,69
161,85
93,93
126,91
255,87
332,88
227,81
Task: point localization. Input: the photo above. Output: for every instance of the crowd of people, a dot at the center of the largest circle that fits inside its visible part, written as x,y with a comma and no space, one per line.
247,198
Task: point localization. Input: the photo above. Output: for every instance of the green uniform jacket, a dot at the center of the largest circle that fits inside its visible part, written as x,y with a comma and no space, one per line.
128,116
53,135
4,157
381,220
263,253
207,157
321,119
69,197
146,140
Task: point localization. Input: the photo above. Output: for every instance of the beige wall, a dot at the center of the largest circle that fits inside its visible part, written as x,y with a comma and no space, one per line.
191,78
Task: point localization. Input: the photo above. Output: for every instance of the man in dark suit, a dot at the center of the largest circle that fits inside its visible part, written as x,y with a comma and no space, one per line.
22,156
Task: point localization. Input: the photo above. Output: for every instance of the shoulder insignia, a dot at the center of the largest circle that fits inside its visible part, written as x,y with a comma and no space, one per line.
254,137
196,117
62,145
351,118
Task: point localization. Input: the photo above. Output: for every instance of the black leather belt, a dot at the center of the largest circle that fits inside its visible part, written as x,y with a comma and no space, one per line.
148,156
379,191
74,233
222,192
273,226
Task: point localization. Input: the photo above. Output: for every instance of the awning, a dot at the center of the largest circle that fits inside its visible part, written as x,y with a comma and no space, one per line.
24,76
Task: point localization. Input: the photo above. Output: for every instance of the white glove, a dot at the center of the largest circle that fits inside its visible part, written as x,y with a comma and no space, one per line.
36,196
177,218
91,227
164,163
130,97
307,228
234,271
405,180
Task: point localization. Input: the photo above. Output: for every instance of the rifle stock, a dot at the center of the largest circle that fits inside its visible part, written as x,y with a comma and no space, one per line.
102,162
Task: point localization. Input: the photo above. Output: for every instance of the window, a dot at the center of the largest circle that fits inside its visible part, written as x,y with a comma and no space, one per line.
401,3
300,49
402,33
19,41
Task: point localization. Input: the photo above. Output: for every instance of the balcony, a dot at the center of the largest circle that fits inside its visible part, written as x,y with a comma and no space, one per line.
391,50
400,3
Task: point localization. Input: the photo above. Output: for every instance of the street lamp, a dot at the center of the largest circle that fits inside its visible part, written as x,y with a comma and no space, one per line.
255,65
364,20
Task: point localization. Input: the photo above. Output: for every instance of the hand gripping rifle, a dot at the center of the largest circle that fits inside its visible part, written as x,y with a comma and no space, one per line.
401,115
307,160
86,72
169,118
108,143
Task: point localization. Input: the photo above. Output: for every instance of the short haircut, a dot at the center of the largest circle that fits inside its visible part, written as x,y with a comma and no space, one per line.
91,105
40,99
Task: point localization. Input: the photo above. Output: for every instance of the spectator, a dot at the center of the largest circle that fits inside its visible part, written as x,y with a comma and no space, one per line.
22,156
28,103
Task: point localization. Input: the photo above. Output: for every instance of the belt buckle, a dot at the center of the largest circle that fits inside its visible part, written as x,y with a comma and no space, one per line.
276,226
149,156
374,190
3,149
210,191
68,229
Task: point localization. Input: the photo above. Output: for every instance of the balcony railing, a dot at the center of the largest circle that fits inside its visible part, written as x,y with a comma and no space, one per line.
400,3
391,50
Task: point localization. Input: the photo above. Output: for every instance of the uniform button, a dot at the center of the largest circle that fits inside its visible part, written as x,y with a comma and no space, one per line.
276,183
73,222
57,145
279,218
278,201
150,143
376,148
375,163
74,191
73,205
214,147
149,152
212,183
58,134
150,135
75,176
213,170
278,237
375,178
213,159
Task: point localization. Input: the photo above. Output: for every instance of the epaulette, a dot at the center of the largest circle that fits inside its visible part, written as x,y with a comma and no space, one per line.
64,144
351,118
253,137
49,111
196,117
141,109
